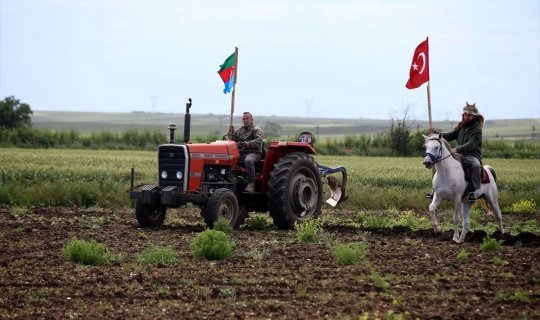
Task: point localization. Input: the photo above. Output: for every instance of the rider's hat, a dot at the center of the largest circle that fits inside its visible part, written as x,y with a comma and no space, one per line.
471,109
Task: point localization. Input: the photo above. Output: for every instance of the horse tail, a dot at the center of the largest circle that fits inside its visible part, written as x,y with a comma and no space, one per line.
490,168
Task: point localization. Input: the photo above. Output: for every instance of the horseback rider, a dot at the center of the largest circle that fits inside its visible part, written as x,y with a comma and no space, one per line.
468,134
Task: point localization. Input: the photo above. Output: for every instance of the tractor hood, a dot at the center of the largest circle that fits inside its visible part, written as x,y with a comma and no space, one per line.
218,152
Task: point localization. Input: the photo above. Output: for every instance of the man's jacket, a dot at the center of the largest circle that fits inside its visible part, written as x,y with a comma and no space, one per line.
469,139
252,136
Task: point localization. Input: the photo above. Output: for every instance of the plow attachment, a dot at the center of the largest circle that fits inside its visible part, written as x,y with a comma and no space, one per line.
337,188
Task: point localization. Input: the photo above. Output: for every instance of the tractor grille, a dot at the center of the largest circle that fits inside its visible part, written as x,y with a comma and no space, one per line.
173,166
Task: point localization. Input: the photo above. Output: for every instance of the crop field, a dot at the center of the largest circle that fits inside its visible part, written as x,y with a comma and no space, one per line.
49,198
54,177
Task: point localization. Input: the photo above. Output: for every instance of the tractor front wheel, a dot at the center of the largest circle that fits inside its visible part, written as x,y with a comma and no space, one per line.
222,204
149,216
294,190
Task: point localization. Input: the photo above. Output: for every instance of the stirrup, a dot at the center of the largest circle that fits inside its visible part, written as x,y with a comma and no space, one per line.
472,197
429,194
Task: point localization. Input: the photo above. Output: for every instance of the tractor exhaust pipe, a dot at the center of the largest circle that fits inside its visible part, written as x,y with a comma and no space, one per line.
187,122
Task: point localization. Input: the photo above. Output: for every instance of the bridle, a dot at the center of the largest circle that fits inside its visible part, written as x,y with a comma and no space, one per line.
437,158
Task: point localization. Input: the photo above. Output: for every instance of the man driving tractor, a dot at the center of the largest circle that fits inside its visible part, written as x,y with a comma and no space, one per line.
249,139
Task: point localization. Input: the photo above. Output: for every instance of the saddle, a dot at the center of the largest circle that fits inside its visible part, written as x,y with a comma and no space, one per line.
467,169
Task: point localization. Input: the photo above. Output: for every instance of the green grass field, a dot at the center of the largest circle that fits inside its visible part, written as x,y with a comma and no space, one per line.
55,177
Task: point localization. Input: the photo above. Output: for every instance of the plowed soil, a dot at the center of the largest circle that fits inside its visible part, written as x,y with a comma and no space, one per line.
271,275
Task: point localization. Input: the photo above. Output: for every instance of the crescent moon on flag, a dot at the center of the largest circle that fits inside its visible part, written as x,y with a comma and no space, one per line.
423,56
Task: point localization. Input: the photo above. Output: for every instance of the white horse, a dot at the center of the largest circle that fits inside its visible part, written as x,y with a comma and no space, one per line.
449,184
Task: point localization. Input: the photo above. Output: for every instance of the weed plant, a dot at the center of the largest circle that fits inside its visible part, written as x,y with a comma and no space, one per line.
414,221
158,255
212,245
377,222
20,211
379,282
517,296
491,244
524,206
86,252
308,231
223,225
499,262
258,222
463,255
350,253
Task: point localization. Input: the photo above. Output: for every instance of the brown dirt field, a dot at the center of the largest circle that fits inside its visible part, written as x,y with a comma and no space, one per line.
271,274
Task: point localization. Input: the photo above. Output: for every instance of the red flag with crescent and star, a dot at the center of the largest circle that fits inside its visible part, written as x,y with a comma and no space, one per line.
419,73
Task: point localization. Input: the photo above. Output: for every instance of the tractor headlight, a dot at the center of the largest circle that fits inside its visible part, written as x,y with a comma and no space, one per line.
179,175
164,174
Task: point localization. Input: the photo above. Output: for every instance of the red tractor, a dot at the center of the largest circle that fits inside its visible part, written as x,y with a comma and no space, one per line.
210,175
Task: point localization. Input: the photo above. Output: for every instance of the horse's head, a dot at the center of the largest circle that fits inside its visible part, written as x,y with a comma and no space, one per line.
434,149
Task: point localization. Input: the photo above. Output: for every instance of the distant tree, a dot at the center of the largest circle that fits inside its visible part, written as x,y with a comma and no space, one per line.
14,114
400,135
272,131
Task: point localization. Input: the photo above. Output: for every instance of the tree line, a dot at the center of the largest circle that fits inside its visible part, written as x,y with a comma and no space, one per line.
400,140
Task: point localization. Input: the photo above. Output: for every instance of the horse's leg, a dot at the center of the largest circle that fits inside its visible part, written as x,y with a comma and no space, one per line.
457,218
433,212
466,210
493,205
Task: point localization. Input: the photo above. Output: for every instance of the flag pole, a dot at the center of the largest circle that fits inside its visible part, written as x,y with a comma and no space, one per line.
231,127
429,104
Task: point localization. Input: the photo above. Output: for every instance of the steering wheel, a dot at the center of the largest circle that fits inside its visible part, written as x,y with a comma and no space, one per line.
234,137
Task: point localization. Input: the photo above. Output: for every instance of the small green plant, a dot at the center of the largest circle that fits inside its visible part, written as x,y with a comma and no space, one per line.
517,296
143,236
212,245
20,211
499,262
410,219
86,252
158,255
18,230
223,225
258,222
524,206
463,255
361,217
302,292
491,244
392,210
378,222
227,293
308,231
508,274
351,253
379,281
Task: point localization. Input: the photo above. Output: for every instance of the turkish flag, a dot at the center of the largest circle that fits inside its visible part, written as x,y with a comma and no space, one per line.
419,73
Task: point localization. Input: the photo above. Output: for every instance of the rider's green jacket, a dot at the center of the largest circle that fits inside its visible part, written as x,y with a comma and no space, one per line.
469,139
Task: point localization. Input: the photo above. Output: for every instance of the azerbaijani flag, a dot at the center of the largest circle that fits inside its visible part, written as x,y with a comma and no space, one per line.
227,72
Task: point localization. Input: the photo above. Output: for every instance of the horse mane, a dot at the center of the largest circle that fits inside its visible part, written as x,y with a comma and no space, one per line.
456,156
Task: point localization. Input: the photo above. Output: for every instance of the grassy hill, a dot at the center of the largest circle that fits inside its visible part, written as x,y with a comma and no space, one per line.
205,124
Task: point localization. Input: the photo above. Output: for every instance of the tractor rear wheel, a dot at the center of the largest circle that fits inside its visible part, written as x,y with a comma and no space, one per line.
222,204
149,216
294,190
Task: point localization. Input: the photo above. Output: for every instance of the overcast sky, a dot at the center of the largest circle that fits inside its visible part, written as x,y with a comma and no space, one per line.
307,58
